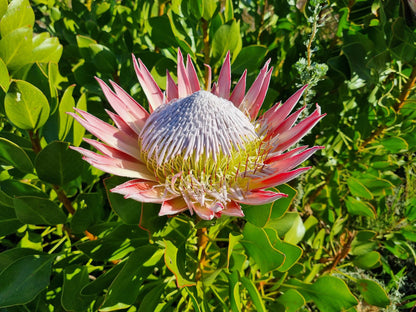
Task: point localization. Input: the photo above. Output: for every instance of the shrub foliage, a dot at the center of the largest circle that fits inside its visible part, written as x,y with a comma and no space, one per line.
344,239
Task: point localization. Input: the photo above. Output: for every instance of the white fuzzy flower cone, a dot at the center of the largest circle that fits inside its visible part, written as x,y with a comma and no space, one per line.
202,151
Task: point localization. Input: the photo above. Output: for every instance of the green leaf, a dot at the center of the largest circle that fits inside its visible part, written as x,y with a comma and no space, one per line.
57,164
368,260
126,286
4,76
358,207
8,221
329,293
3,7
102,282
89,211
26,106
258,246
363,243
197,8
250,58
395,144
17,188
18,14
65,106
262,215
46,49
78,130
254,294
258,215
172,255
290,226
358,189
209,8
292,252
281,205
290,301
117,244
16,48
12,154
9,256
228,11
161,31
128,210
233,240
36,210
103,58
152,298
373,293
234,290
75,278
226,38
26,278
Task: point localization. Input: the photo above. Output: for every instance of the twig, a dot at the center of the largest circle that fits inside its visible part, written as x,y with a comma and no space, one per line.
37,148
404,95
202,251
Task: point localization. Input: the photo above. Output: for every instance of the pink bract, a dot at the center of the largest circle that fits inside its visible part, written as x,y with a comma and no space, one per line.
199,150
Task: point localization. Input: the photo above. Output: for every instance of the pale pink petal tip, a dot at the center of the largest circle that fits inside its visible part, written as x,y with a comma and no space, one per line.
173,206
142,190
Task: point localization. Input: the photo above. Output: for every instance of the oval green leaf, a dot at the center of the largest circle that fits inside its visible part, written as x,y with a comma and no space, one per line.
36,210
259,247
26,106
57,164
373,293
18,14
358,189
26,278
16,48
358,207
12,154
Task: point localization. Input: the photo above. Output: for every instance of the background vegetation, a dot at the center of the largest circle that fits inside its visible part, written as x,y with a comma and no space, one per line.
345,237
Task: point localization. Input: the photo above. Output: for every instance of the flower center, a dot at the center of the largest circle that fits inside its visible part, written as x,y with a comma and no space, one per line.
201,141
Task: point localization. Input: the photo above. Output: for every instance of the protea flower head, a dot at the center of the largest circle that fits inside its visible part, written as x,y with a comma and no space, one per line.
199,150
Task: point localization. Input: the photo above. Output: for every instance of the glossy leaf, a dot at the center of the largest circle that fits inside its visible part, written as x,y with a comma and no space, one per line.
4,76
254,294
373,293
358,207
234,291
78,130
36,210
75,277
26,277
57,164
172,256
46,48
16,48
358,189
330,294
125,287
26,106
368,260
13,154
290,301
66,105
18,14
258,246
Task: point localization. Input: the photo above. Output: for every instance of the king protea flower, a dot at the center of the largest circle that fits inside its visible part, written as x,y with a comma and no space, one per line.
199,150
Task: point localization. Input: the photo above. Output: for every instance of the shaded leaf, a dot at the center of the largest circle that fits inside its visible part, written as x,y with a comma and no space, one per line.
57,164
26,277
36,210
